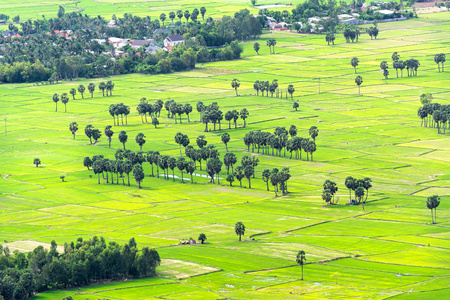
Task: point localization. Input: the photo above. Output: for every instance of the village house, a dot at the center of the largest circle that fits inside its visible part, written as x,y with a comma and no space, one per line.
136,44
173,40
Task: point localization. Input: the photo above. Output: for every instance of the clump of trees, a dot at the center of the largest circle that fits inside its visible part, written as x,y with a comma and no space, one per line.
432,203
330,188
81,263
272,88
212,114
360,187
281,141
174,109
440,59
434,115
278,179
119,109
373,32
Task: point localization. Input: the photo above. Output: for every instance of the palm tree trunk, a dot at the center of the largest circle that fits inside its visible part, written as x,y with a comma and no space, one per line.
302,272
173,175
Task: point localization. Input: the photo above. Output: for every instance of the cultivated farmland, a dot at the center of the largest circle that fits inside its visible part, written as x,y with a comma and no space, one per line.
389,249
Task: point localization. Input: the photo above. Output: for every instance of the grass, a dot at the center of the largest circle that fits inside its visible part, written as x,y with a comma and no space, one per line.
389,250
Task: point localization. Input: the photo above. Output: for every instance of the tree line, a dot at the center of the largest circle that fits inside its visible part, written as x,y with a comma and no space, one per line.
40,55
109,86
279,141
83,262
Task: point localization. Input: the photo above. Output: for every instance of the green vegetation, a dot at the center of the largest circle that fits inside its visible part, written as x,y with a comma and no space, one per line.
389,250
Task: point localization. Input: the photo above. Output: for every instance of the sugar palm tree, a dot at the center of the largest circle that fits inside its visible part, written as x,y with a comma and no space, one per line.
359,81
291,91
244,115
239,229
81,90
109,133
225,139
55,99
91,88
256,47
301,257
64,100
354,62
235,83
73,127
73,92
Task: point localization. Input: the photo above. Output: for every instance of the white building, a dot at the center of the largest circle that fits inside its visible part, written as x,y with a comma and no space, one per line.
173,40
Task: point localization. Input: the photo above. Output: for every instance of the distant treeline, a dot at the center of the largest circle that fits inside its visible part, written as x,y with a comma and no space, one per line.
81,263
40,54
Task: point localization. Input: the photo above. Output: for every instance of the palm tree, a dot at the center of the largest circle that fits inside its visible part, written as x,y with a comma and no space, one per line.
64,100
384,66
432,203
239,229
359,81
291,91
181,165
172,16
256,47
73,127
162,17
350,183
155,122
138,174
172,163
102,87
235,83
354,62
202,12
91,88
88,131
73,92
244,115
187,14
123,137
81,90
179,14
37,162
301,257
55,99
109,133
295,106
225,139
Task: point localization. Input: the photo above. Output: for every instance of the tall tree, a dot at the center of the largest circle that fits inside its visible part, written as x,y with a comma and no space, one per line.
73,92
225,139
88,131
350,183
109,133
235,83
244,115
256,47
239,229
102,87
81,90
64,100
301,257
140,139
291,91
55,99
181,165
91,88
202,12
138,174
354,62
432,203
359,81
37,162
73,127
123,138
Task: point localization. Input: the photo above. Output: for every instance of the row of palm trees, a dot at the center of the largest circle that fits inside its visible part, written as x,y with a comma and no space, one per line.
280,140
186,14
109,86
